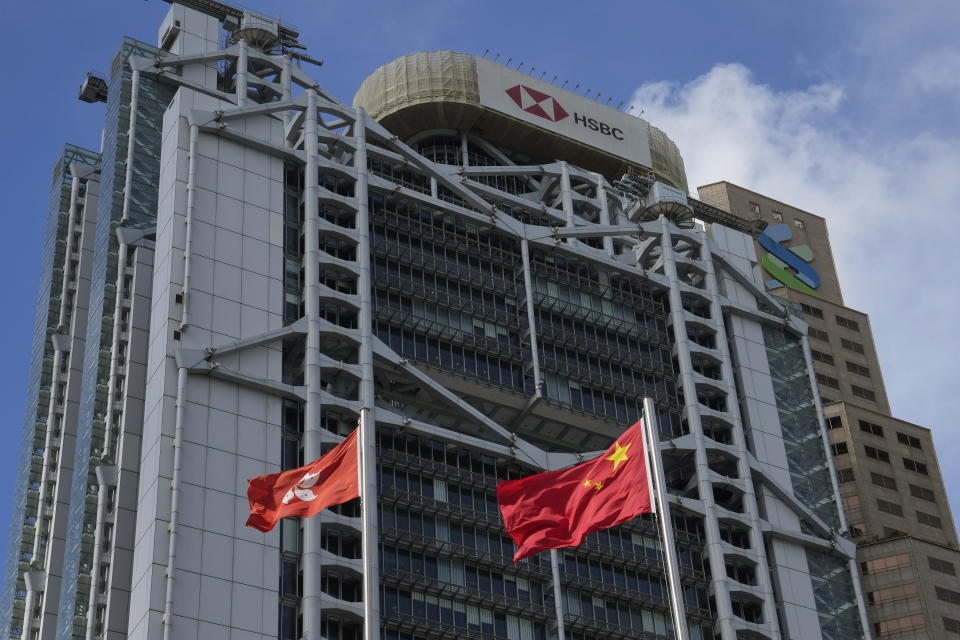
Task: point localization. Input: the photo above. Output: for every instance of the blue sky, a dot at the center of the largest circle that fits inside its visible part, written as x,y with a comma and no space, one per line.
846,109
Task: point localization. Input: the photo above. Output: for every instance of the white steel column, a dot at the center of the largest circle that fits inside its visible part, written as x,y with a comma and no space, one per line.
242,65
739,441
368,442
714,544
531,317
312,433
604,212
655,469
566,195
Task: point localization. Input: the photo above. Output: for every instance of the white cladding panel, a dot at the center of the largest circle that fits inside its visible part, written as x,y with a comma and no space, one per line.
586,120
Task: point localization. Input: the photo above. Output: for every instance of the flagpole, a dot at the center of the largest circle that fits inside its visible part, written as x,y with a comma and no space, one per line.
367,444
651,429
557,593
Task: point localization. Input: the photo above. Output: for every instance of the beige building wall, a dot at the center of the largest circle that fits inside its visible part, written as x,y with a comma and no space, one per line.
890,480
912,588
806,229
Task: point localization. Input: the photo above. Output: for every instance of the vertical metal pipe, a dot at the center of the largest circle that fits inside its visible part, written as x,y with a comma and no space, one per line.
103,488
714,546
26,633
652,445
174,501
188,224
604,212
531,317
285,73
242,65
131,138
181,394
739,441
368,444
74,197
312,434
557,593
122,254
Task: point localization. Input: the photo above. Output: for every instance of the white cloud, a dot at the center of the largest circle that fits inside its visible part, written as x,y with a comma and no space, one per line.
935,73
890,203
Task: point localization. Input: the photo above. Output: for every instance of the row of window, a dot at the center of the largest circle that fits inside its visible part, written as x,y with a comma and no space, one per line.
458,614
836,422
899,625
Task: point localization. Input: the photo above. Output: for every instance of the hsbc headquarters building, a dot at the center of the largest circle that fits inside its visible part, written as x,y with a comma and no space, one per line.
491,274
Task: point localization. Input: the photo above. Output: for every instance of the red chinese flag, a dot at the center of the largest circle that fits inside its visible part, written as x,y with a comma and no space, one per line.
559,508
330,479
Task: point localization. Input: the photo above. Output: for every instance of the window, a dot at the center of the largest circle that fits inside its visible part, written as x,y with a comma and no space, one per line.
885,564
839,448
897,625
818,334
755,208
929,520
900,592
819,356
951,625
869,427
850,345
903,438
883,481
845,475
913,465
858,369
777,216
812,311
923,493
866,394
948,595
828,381
890,507
835,422
941,566
798,223
848,324
877,454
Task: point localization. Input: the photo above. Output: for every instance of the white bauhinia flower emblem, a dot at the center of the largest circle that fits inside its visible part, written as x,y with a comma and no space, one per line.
301,490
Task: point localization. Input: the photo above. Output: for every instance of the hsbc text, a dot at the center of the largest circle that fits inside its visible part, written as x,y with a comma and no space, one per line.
594,125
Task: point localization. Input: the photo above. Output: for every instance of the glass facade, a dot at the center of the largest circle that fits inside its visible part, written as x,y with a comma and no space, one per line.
810,475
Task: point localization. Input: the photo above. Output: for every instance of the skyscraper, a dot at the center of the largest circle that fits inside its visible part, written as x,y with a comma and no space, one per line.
890,481
488,273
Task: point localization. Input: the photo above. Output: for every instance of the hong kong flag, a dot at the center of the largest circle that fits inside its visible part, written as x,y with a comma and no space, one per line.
559,508
330,479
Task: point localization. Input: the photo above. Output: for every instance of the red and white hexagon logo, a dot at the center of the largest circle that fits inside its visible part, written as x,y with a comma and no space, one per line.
537,102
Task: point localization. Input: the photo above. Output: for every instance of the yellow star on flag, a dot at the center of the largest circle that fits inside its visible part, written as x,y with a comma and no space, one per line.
619,455
587,483
597,486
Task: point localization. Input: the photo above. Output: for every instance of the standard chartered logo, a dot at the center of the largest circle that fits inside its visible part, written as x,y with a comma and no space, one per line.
779,258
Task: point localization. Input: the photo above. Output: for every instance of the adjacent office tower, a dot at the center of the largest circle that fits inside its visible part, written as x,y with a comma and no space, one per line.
890,481
488,271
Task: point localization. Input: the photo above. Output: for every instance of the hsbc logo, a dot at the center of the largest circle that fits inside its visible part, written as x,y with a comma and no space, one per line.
537,102
545,106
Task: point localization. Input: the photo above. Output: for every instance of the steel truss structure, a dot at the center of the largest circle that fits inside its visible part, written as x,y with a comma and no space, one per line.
483,319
